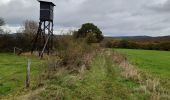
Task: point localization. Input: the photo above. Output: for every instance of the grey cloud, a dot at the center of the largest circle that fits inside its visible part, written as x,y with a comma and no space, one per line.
16,11
114,17
162,8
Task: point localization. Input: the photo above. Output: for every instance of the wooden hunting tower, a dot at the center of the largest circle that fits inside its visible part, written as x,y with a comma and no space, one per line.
43,41
46,11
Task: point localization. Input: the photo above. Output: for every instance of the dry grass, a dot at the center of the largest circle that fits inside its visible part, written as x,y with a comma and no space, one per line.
148,84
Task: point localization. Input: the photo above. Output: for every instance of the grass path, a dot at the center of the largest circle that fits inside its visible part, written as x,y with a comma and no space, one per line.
102,82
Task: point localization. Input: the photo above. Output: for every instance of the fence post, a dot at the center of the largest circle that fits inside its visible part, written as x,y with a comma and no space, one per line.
14,51
28,74
125,62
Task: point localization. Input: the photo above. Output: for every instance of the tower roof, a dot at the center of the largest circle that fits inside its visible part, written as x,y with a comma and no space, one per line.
51,3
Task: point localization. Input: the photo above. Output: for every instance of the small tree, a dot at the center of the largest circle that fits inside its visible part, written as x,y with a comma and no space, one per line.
2,22
28,31
30,28
91,32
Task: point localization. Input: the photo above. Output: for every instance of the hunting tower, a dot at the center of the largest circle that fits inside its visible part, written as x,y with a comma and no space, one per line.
43,41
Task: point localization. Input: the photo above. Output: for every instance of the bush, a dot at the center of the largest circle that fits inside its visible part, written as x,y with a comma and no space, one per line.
72,52
6,43
9,41
124,44
164,46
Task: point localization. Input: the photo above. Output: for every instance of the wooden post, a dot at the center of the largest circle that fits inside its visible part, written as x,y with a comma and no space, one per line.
125,62
14,50
41,56
28,74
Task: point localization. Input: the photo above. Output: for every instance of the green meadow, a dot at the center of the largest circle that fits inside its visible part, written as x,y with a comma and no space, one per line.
13,72
102,81
154,63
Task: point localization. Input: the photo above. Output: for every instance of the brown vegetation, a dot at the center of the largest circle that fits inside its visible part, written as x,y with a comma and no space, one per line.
73,53
129,44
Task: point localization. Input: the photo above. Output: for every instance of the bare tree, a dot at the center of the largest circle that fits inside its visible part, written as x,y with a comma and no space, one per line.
30,28
2,22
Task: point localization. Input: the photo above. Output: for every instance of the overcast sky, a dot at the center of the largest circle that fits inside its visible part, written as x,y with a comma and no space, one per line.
113,17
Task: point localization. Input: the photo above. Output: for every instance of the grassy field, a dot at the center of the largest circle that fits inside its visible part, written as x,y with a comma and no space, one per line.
13,72
155,63
103,80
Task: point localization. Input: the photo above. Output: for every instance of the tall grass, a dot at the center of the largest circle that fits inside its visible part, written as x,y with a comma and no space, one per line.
100,82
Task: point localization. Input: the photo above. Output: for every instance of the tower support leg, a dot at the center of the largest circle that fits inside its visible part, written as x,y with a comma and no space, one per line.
43,41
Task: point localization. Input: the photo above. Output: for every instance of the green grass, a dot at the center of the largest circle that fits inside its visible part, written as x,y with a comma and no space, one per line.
102,82
13,72
156,63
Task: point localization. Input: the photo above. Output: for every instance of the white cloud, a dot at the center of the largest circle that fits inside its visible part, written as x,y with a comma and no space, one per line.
12,29
2,2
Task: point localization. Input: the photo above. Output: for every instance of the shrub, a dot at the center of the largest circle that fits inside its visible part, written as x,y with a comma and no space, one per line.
72,52
165,46
123,44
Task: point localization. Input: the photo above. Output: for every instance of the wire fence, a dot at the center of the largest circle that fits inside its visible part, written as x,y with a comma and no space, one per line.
17,71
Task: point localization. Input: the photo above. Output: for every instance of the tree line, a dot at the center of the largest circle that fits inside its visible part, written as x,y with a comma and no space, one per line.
88,32
123,43
23,38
